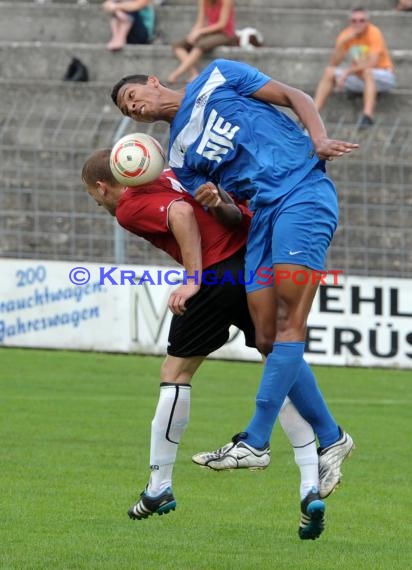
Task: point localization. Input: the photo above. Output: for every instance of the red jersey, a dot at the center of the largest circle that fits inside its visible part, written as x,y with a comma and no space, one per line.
212,12
143,210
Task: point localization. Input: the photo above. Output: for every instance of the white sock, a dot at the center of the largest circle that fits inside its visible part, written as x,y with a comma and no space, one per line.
302,437
169,423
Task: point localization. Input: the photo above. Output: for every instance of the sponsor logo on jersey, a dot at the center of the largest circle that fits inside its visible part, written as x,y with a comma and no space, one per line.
217,137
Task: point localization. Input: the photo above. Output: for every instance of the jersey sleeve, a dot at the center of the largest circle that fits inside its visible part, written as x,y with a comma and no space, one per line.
148,215
190,179
242,77
246,213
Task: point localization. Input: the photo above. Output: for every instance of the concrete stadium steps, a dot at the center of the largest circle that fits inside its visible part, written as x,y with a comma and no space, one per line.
362,261
343,109
57,219
34,165
294,4
42,60
57,98
280,26
63,242
60,219
53,212
55,144
374,234
64,116
66,131
48,126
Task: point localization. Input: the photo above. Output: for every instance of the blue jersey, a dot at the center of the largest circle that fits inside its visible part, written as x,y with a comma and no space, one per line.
223,135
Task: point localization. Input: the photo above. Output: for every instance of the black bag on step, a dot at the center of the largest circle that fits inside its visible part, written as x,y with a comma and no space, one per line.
76,71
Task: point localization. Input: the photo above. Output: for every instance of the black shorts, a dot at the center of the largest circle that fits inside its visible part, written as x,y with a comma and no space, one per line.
204,327
138,33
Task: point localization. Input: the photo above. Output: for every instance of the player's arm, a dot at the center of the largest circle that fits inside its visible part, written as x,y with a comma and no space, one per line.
222,21
183,225
220,204
302,104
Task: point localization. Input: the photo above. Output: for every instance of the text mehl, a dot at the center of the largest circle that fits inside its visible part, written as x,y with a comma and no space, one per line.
365,300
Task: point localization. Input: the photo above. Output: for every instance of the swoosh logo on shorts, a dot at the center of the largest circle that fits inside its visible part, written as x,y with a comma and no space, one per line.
295,252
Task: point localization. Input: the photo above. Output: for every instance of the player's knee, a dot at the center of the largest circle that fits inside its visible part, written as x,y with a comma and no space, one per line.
266,403
170,370
264,343
292,329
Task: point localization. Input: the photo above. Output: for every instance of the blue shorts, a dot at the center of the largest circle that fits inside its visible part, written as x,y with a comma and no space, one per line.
296,229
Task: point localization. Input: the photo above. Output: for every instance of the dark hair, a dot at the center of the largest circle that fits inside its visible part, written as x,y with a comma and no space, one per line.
359,9
97,167
140,79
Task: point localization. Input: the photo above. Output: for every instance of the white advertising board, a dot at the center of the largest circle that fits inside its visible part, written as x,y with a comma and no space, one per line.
41,308
360,321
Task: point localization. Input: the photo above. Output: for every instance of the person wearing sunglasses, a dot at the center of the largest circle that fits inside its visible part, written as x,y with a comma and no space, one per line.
360,63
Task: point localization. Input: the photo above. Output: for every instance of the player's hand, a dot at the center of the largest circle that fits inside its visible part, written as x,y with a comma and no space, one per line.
178,298
208,195
328,149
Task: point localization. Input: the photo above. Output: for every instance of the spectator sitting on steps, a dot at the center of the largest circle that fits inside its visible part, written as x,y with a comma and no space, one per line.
132,22
369,71
214,26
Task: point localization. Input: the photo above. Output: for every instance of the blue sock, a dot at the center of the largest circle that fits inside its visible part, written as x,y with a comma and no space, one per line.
308,400
280,372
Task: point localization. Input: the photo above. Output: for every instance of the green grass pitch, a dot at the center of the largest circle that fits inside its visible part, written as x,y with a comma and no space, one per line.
74,456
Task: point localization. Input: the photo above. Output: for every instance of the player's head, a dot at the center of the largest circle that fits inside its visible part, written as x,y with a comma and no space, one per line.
129,79
100,182
359,20
144,99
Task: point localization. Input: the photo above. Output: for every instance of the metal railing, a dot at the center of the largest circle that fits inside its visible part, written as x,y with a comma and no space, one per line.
46,214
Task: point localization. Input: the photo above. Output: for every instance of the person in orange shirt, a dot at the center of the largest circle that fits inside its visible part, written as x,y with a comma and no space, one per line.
214,26
368,71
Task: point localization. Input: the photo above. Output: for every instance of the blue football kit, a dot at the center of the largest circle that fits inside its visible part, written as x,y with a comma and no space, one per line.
255,151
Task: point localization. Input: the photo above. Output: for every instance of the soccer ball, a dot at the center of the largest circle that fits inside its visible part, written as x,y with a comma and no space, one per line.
136,159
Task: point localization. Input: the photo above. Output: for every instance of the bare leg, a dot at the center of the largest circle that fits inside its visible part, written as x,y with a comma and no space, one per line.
264,320
113,26
324,87
120,29
187,65
369,94
182,55
180,370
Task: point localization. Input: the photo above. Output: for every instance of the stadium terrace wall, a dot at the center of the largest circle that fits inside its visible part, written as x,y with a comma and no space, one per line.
358,321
